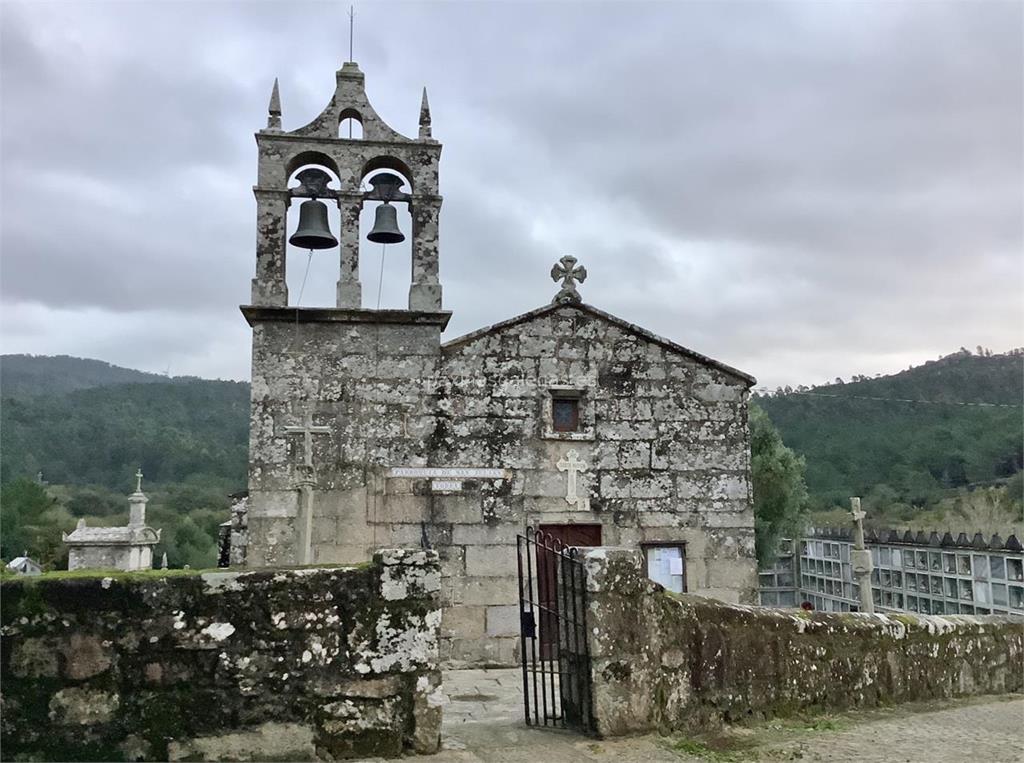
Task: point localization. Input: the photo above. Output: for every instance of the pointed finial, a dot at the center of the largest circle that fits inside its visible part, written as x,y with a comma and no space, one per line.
138,480
424,116
274,110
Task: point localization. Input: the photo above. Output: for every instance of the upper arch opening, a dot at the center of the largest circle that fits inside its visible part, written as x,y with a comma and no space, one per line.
350,124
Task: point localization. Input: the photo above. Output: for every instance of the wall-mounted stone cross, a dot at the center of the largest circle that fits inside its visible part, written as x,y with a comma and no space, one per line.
307,430
569,273
573,464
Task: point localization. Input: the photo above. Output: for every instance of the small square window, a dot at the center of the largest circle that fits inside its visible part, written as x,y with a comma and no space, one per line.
565,414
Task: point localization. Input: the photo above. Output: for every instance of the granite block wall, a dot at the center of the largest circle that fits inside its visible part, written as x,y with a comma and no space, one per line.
266,665
663,451
662,661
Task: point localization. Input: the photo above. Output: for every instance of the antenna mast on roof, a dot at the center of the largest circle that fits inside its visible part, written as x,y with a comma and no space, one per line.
351,26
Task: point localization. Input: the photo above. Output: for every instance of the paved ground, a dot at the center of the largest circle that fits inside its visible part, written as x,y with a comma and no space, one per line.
484,722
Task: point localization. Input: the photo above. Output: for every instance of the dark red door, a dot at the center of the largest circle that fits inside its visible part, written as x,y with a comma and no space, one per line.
547,577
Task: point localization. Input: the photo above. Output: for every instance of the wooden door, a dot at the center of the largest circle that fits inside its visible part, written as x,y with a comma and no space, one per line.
547,578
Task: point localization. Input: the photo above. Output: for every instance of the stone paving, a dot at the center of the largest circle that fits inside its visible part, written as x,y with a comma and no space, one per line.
484,723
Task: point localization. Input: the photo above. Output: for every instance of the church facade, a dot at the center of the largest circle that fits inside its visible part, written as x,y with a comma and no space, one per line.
369,431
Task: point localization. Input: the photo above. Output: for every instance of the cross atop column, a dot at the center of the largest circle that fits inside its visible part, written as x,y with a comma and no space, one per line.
573,464
861,558
138,480
307,430
569,273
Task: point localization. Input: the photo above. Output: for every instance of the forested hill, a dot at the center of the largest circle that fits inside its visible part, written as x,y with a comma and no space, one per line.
24,376
915,432
178,432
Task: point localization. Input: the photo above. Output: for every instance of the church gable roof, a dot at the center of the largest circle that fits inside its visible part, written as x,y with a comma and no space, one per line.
624,325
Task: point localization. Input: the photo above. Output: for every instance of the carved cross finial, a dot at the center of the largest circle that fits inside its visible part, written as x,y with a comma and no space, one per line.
569,273
274,110
138,480
424,116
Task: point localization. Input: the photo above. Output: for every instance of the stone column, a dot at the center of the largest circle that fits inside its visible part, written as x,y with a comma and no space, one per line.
350,291
425,292
861,558
269,286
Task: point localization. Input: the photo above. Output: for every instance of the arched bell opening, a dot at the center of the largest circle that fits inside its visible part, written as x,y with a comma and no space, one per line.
385,263
350,125
313,230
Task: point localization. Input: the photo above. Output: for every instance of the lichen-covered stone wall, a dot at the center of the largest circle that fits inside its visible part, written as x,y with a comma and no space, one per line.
295,664
673,662
663,441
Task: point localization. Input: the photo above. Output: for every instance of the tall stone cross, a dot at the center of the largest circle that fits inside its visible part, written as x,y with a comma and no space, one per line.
305,527
307,430
861,558
569,273
573,464
138,480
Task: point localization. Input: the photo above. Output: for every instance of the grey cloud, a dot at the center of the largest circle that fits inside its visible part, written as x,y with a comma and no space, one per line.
804,190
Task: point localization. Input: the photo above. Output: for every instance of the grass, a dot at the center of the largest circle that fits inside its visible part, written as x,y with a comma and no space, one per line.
701,750
743,744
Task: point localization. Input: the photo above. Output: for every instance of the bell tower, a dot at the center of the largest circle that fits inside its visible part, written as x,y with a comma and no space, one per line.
319,148
339,394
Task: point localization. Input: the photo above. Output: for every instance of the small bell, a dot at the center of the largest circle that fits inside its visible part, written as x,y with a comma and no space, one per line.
314,231
385,226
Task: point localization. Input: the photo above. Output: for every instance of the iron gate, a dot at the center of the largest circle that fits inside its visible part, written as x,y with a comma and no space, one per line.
553,633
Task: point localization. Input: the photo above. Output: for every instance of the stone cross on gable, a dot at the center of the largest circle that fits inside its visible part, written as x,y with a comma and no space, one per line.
307,430
569,273
573,464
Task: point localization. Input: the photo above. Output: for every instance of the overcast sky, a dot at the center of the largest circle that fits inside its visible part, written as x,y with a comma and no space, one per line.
802,190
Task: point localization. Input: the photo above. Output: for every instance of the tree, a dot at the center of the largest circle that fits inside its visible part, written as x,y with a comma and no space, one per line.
780,492
32,522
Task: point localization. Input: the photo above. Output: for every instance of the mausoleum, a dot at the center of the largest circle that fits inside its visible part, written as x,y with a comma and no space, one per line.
369,431
115,548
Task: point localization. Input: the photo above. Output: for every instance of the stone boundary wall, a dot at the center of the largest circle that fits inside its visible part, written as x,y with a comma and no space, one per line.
664,661
297,664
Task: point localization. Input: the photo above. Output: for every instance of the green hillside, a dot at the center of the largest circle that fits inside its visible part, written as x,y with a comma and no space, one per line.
87,426
23,376
912,434
177,432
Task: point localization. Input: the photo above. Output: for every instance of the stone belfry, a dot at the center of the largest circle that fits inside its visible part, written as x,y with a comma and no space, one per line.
337,392
281,153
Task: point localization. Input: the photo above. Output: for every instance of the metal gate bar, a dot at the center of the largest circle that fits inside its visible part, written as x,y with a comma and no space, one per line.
553,633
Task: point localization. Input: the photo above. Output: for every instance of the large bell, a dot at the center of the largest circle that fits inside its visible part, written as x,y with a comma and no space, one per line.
314,231
385,226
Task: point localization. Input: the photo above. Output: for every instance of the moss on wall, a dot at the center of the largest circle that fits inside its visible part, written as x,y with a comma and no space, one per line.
695,662
195,666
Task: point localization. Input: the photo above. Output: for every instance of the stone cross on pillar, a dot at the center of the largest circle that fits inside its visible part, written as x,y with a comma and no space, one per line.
568,272
572,464
307,430
861,558
304,537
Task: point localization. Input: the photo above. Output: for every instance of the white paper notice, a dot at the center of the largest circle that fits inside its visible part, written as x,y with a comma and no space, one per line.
676,566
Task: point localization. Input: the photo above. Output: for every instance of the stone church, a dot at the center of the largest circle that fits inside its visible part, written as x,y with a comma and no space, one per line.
368,431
